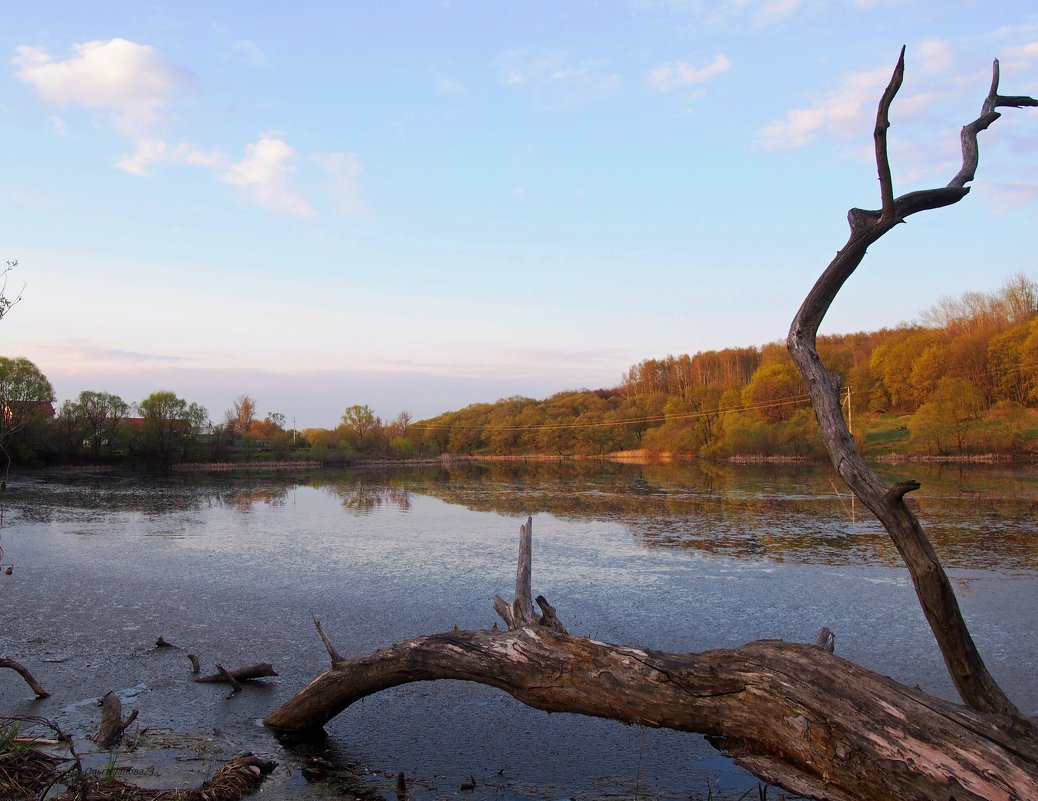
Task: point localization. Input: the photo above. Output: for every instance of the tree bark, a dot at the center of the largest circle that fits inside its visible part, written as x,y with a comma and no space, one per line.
795,715
112,723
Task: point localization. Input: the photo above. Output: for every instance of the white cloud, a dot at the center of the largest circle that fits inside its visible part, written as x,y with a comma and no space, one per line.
845,111
936,56
759,12
343,169
151,151
557,78
128,80
448,86
134,86
265,171
248,52
773,10
1021,58
682,74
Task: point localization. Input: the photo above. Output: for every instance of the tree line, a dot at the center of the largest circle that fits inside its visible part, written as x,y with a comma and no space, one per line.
964,379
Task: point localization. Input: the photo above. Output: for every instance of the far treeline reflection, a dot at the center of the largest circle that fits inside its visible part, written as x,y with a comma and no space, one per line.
978,516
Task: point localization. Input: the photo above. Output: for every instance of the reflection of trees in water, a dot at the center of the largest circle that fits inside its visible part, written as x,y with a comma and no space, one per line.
245,498
979,516
363,492
53,498
780,512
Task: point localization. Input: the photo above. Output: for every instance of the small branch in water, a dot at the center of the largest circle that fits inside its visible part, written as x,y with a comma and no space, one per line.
23,671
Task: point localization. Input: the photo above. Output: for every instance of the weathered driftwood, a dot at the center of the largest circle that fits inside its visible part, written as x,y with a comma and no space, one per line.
795,715
23,671
520,612
259,670
112,723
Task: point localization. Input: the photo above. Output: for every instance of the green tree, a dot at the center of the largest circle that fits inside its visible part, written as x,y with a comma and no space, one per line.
25,398
101,413
171,427
68,428
362,429
775,391
927,371
1005,360
944,421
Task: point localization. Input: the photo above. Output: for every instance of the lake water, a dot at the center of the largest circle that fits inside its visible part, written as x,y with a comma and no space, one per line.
673,557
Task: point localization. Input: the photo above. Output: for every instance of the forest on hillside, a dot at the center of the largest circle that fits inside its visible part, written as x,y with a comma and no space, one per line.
962,381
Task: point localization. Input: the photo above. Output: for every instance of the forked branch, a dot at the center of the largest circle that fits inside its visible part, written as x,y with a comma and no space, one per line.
936,596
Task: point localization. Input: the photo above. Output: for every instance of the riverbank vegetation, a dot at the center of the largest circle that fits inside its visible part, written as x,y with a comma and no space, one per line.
962,383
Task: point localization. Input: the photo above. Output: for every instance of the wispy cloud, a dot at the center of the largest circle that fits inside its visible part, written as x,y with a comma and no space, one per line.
248,52
1022,57
726,12
69,351
924,145
448,86
152,150
343,170
556,77
681,74
265,170
134,86
129,81
935,56
841,112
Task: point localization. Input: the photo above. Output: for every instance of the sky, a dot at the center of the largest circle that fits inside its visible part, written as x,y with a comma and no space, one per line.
418,205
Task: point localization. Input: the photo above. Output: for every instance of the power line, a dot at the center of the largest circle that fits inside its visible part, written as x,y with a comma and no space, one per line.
609,423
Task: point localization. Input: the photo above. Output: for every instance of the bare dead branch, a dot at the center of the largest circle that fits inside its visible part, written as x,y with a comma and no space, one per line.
227,677
886,183
23,671
112,723
259,670
974,683
333,654
968,137
825,640
520,612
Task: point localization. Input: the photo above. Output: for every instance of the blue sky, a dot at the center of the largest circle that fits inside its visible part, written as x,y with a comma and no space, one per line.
418,205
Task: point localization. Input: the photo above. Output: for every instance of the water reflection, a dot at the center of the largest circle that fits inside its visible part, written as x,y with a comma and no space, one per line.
976,515
675,557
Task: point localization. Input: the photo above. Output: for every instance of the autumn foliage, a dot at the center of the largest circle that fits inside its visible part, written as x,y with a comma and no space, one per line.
962,381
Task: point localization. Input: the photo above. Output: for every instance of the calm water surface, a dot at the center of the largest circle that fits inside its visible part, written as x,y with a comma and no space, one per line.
674,557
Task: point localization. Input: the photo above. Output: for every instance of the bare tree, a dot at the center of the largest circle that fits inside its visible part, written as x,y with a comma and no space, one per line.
5,302
796,715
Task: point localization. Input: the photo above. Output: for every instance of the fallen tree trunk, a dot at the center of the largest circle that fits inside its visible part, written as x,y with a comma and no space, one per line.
794,715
